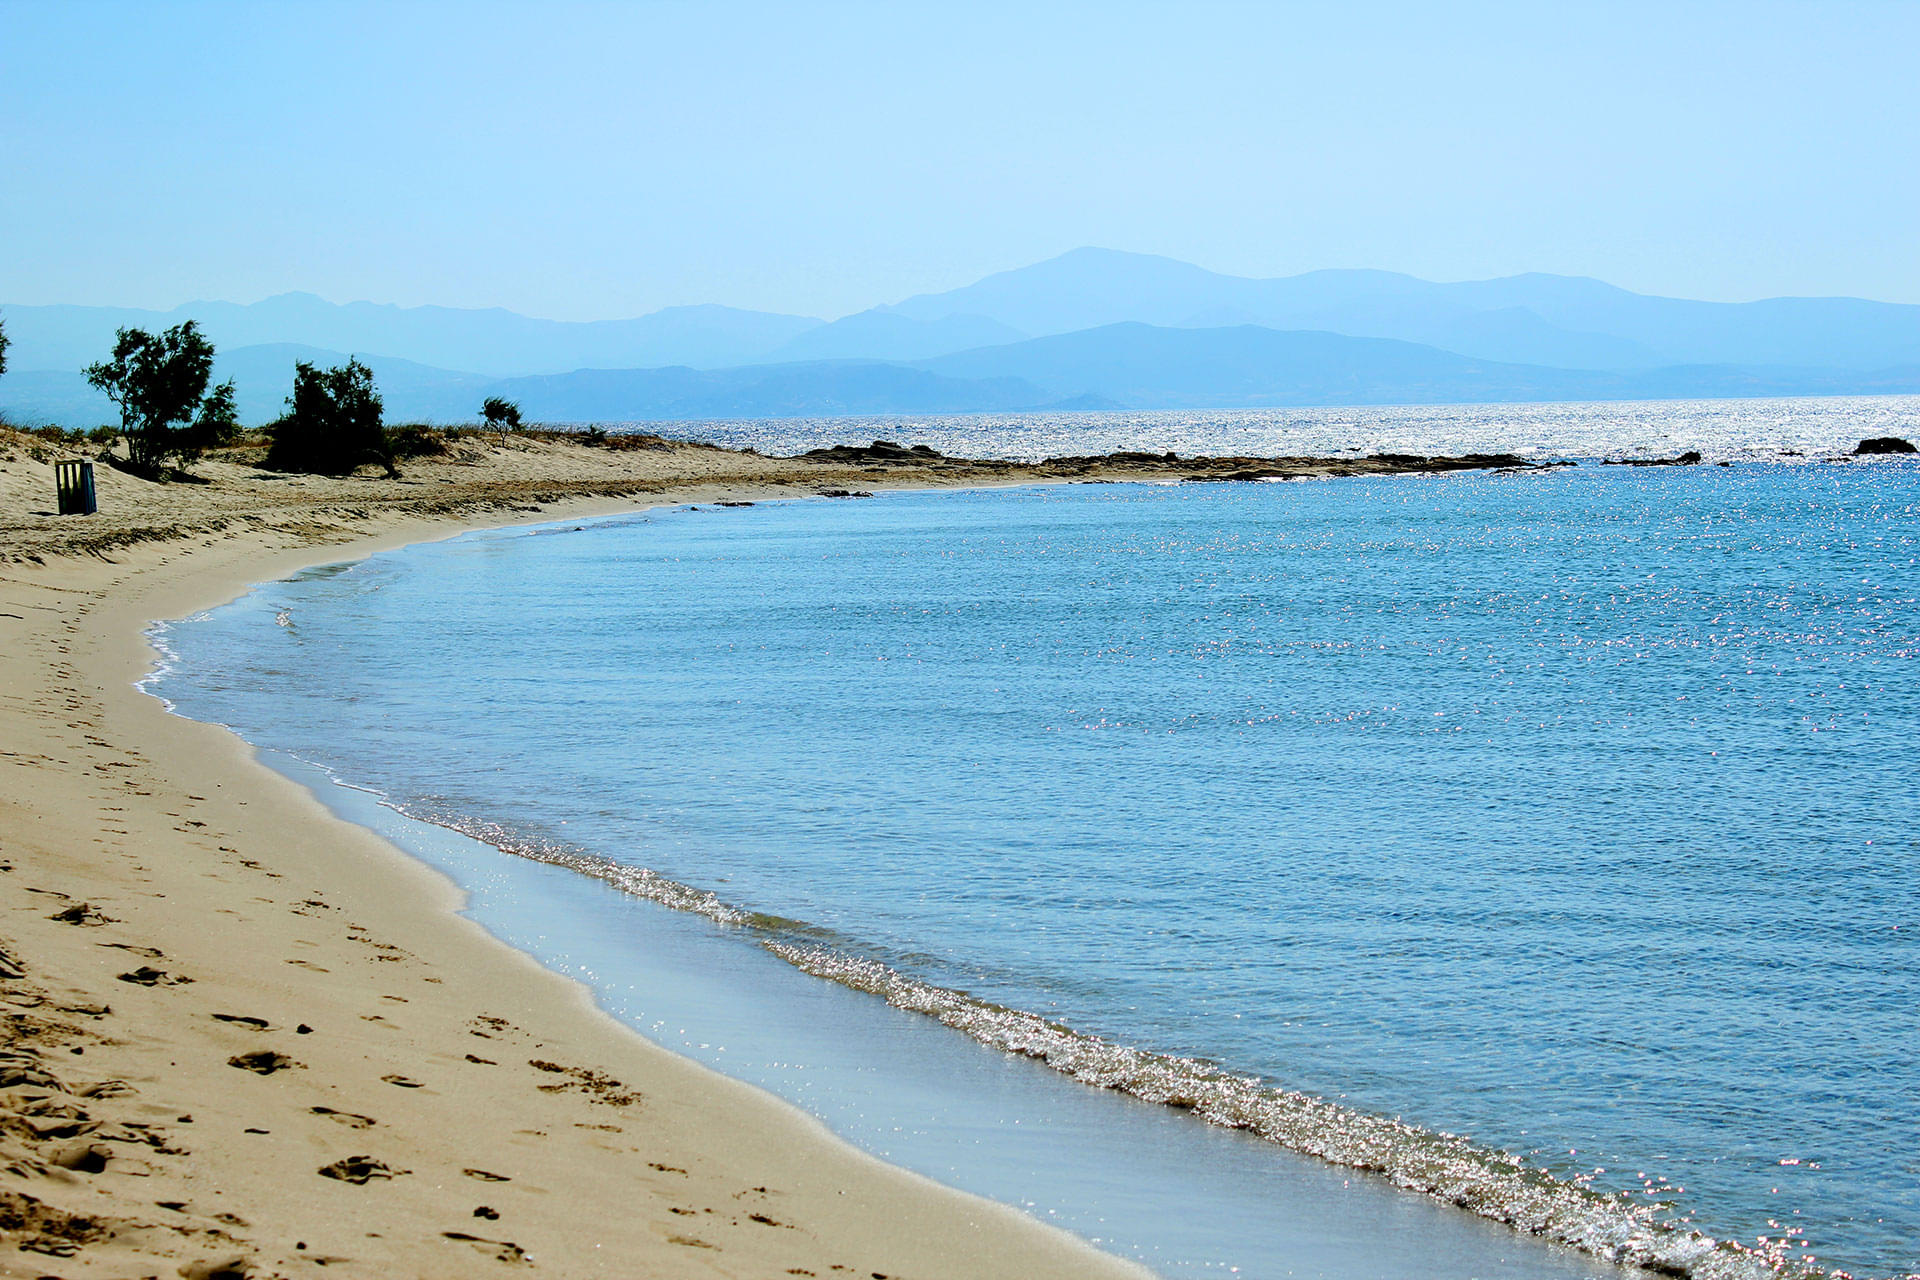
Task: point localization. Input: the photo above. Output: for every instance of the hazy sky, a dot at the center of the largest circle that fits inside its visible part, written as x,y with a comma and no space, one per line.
584,161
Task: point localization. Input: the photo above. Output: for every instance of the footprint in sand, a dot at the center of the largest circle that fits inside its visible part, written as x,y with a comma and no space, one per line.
83,913
240,1019
145,976
403,1082
691,1243
360,1170
262,1062
353,1120
598,1086
499,1250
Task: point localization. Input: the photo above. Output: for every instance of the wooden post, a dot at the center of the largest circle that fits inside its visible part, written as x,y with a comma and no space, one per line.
74,483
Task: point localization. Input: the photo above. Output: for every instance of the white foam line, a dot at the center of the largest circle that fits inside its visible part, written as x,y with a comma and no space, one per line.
1492,1184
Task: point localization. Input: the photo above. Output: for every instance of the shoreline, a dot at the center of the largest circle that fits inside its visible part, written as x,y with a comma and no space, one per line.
1484,1183
78,602
398,1037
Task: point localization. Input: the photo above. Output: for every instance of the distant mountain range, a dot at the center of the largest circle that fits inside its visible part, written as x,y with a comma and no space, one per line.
492,342
1559,321
1093,328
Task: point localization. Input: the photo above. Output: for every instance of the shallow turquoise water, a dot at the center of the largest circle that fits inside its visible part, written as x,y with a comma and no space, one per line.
1573,812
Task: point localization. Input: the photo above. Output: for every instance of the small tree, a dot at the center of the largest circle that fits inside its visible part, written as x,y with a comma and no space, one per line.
332,423
159,381
501,415
3,346
218,422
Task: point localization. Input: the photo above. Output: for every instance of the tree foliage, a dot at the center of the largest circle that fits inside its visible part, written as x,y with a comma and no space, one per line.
159,381
218,422
332,424
500,415
3,346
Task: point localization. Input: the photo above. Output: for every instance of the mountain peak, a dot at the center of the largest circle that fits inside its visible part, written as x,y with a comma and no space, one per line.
1533,318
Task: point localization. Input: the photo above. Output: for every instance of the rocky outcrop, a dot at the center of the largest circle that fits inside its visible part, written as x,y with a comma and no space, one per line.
1883,444
1464,462
1377,464
880,451
1691,458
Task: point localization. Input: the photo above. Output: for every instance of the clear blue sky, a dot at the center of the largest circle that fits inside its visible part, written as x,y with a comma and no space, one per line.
584,161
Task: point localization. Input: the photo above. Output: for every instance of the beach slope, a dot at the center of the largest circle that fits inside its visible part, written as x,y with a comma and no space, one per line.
245,1037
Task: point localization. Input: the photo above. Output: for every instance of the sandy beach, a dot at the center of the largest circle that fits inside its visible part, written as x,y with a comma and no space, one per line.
246,1037
1268,642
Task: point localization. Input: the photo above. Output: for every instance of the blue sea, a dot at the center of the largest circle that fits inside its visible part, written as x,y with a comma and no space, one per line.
1484,874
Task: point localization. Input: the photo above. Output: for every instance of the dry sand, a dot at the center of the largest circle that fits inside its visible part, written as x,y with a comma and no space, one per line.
244,1034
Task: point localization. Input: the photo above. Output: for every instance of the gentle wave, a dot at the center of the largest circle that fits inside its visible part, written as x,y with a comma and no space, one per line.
638,881
1447,1167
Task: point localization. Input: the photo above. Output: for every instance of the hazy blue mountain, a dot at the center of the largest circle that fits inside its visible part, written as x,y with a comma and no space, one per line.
1553,321
1115,366
68,339
820,389
887,335
1842,333
495,342
413,392
1559,320
1113,329
1085,289
41,397
1157,367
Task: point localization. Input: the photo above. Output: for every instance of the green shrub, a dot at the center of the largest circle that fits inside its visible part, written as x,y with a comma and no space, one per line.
159,381
500,415
332,424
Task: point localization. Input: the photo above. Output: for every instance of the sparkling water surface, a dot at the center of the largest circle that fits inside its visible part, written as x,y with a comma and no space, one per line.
1573,811
1752,429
